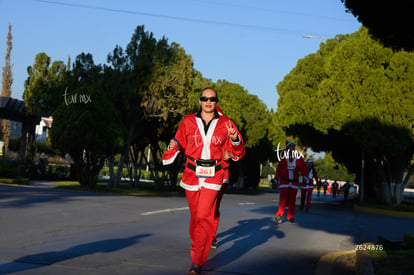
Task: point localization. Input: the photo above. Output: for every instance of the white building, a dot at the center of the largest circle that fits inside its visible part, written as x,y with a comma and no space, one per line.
42,129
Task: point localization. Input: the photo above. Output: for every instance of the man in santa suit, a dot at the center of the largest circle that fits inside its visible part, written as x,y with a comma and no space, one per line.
307,186
287,176
202,137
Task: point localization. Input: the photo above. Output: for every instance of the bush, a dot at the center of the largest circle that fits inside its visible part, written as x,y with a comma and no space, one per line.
268,169
9,168
408,240
21,181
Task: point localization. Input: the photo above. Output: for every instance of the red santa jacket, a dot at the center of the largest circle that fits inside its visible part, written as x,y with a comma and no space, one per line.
309,183
195,143
226,164
228,148
287,172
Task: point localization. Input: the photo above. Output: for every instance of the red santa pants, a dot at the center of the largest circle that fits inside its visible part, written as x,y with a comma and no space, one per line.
201,204
216,210
305,198
287,195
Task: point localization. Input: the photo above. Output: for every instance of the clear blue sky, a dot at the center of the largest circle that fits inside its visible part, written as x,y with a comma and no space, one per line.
252,43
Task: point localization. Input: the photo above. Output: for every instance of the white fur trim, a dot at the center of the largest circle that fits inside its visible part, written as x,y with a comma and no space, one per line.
170,160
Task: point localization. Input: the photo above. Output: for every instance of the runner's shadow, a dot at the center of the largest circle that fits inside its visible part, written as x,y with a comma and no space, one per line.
34,261
246,236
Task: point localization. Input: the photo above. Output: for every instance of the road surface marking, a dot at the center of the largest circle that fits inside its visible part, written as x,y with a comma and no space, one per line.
164,211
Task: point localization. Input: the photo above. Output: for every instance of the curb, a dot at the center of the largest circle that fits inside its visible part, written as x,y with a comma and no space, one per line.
345,263
364,263
383,211
330,263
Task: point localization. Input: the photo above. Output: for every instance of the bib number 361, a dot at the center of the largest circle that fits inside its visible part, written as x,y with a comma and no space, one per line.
205,172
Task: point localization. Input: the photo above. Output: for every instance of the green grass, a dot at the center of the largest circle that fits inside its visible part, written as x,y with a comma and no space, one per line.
15,181
394,262
402,207
144,189
7,181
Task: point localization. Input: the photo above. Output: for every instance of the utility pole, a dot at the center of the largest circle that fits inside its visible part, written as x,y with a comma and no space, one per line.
361,184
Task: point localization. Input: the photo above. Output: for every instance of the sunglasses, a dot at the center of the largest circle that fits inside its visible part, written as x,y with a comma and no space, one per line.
205,99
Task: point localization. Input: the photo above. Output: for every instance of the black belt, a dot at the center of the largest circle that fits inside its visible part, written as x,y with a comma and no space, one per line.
203,163
193,167
289,180
190,158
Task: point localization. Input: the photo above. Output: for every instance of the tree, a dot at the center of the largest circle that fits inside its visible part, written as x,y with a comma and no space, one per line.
347,98
135,64
7,79
157,79
6,91
388,21
253,121
42,89
167,100
86,124
328,168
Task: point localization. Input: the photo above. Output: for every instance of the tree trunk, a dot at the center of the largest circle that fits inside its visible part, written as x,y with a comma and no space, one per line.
131,134
384,193
399,193
111,171
392,180
157,164
133,161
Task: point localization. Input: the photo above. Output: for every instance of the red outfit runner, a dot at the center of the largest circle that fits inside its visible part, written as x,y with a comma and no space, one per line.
307,189
287,174
198,141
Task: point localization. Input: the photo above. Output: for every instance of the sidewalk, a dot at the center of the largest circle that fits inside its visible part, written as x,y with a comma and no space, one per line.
343,262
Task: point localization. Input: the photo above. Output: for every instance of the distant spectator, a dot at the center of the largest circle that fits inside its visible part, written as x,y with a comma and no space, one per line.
334,188
325,187
346,188
319,186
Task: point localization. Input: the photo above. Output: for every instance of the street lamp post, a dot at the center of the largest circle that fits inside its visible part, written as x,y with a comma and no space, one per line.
314,37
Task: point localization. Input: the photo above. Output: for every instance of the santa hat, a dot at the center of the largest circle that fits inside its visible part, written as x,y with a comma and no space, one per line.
290,143
220,112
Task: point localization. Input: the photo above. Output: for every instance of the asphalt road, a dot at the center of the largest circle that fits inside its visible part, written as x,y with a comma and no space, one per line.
50,231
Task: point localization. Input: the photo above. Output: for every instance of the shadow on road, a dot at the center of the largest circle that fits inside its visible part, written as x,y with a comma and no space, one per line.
244,237
19,197
34,261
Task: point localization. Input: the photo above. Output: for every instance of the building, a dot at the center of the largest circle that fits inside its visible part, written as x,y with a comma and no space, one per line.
42,129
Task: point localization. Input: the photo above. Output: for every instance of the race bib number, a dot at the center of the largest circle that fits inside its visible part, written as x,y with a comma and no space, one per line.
205,171
291,165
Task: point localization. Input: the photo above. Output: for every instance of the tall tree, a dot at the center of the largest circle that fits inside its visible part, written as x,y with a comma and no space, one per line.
6,89
347,98
7,79
136,64
253,121
156,79
167,100
43,89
